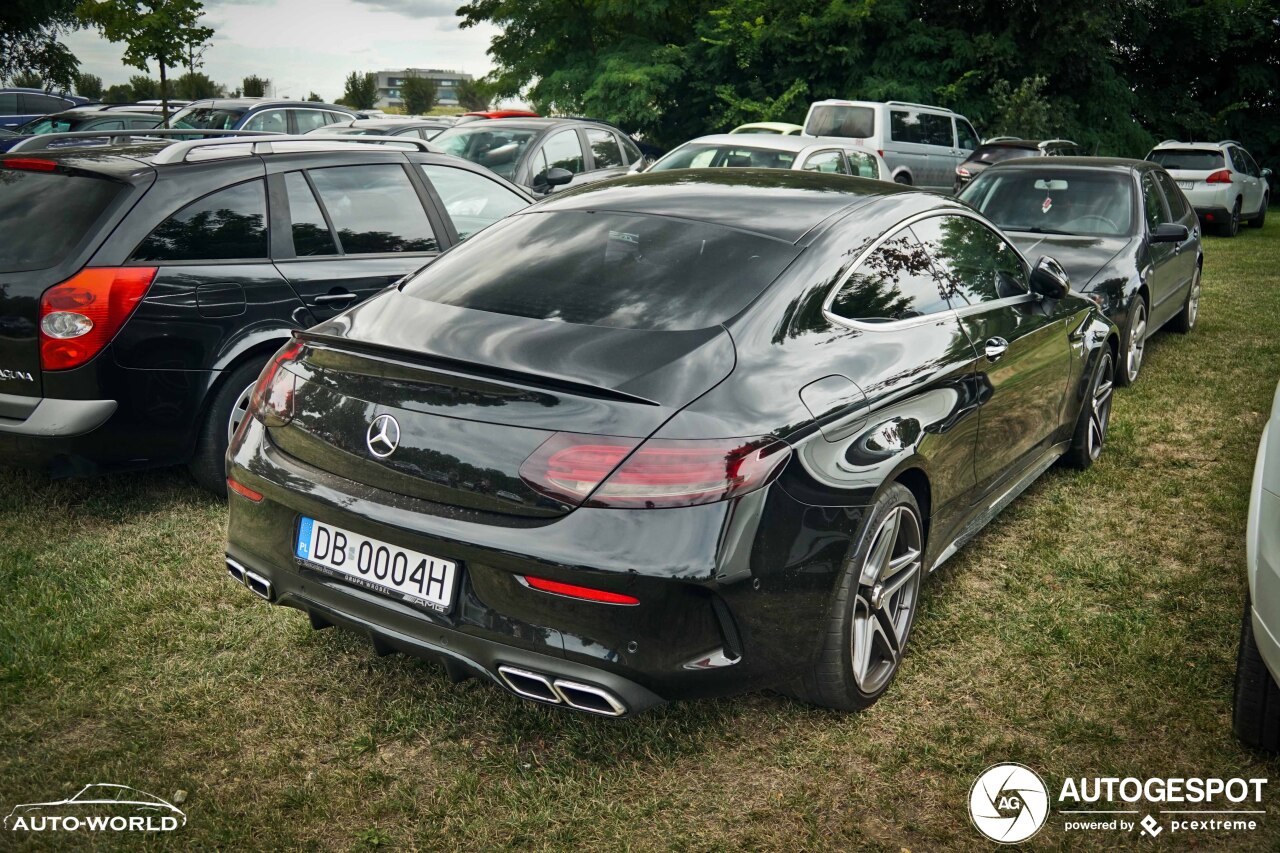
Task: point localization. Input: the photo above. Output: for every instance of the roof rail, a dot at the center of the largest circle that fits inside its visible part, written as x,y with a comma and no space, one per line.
1052,141
1229,142
1170,142
178,152
1002,139
43,141
922,106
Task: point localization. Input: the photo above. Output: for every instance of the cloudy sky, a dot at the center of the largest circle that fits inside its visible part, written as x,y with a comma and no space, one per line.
311,45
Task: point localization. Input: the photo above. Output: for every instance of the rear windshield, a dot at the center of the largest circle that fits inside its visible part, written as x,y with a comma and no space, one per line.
996,153
836,120
727,156
622,270
44,215
206,118
1054,201
1189,159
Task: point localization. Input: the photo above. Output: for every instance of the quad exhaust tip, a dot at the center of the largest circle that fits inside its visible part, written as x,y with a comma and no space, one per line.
256,583
561,691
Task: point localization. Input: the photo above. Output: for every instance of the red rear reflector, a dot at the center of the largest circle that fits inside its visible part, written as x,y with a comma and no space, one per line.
242,489
89,308
584,592
29,164
1222,176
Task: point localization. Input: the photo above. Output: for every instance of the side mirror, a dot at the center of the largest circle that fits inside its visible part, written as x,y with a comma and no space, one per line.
557,177
1049,279
1170,232
1266,173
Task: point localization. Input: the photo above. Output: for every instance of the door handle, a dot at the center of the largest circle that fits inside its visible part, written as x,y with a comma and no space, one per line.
996,348
330,298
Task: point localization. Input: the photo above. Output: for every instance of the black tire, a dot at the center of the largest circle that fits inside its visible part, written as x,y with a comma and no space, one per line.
1186,319
209,466
1131,347
1231,227
1095,415
830,682
1256,714
1261,219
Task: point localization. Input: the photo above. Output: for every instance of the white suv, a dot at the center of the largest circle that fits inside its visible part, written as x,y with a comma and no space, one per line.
1220,179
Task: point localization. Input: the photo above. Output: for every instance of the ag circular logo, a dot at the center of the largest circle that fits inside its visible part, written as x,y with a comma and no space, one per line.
1009,803
383,436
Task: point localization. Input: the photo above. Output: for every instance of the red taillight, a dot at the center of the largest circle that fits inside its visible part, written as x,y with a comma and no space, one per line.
243,490
584,592
962,171
613,472
1222,176
80,316
29,164
272,400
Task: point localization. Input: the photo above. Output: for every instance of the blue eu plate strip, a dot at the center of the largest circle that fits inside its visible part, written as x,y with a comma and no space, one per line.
304,539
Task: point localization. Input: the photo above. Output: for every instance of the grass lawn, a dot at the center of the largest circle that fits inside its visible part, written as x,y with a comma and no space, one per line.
1090,630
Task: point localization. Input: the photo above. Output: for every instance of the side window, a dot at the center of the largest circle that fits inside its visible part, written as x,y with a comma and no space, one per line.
374,209
862,164
631,150
336,118
905,126
974,264
311,234
272,120
1152,203
229,224
43,104
1172,195
110,125
310,119
1250,167
604,149
562,151
826,161
936,130
8,104
895,282
472,201
967,136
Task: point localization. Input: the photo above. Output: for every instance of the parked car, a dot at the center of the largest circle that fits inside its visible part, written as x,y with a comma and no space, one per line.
151,107
80,121
542,154
417,128
779,127
1221,179
481,115
710,440
923,145
1256,717
19,106
145,285
1122,230
272,116
1007,148
806,154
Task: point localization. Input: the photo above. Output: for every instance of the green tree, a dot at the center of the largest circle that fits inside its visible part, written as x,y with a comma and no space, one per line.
316,98
89,86
146,88
254,86
159,31
29,80
195,85
1022,110
361,91
418,94
29,40
474,95
118,95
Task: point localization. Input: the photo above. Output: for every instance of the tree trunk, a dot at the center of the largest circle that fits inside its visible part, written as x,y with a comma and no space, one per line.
164,98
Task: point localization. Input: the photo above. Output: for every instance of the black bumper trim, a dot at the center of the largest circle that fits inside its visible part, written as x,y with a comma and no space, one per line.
54,417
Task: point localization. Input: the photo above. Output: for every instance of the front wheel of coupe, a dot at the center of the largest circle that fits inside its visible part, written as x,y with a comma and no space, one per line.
1135,343
229,406
1095,416
1186,319
873,610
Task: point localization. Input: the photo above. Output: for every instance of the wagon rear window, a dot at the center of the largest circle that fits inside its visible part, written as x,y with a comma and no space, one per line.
45,215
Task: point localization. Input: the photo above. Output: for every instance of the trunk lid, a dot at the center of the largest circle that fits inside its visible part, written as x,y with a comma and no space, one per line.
475,393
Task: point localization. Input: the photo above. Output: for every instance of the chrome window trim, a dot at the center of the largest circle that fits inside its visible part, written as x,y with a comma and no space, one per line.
953,313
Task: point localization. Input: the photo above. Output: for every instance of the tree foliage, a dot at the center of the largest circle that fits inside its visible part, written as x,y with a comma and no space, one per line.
29,40
1021,110
254,86
418,94
474,95
89,86
195,85
361,91
29,80
315,98
144,88
118,94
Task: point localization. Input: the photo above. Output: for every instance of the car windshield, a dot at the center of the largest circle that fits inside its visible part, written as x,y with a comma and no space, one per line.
624,270
1054,201
496,148
207,118
696,156
1188,159
998,153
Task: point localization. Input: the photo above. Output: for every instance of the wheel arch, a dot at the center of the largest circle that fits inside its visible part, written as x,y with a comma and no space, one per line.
917,482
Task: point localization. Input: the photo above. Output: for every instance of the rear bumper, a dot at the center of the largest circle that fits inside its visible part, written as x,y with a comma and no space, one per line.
1212,213
29,416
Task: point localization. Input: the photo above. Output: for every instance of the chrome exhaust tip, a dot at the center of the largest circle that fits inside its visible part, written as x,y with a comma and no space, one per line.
235,570
257,584
530,685
589,698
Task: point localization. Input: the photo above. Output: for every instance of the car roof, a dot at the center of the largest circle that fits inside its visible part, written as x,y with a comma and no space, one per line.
27,90
780,203
250,103
770,141
529,122
1201,146
96,113
1101,164
405,123
1027,144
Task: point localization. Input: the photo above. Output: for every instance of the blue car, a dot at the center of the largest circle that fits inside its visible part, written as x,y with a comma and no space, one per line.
19,106
277,116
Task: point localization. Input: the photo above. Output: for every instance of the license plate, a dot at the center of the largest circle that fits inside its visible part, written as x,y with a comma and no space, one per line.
408,575
1187,185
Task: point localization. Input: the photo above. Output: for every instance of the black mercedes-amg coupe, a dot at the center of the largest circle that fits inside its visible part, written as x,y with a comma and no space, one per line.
681,434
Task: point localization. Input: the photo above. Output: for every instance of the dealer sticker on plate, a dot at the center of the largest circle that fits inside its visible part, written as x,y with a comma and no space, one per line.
419,578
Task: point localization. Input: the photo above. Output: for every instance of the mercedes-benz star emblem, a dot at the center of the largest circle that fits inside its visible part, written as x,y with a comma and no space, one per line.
383,436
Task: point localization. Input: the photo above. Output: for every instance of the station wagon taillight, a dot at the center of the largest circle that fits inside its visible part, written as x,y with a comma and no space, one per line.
1222,176
80,316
